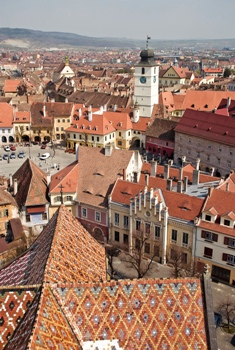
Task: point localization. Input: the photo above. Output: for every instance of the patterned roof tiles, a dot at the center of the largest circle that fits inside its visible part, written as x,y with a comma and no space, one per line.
140,314
53,257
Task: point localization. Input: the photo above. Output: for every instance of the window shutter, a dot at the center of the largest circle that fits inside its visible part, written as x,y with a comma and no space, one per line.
203,235
215,237
225,257
226,240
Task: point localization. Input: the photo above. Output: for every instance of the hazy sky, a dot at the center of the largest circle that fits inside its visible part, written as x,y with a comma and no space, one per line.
165,19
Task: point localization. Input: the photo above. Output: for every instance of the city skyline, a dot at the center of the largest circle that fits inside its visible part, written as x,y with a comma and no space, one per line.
129,19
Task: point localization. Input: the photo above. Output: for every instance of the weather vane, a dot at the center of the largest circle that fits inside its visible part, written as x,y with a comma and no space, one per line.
147,42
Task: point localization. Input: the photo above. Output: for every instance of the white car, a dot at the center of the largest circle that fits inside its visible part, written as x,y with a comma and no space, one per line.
7,148
44,156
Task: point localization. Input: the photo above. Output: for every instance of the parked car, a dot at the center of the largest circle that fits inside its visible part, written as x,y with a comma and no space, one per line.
0,157
7,149
21,155
44,156
13,156
5,157
43,146
13,148
233,340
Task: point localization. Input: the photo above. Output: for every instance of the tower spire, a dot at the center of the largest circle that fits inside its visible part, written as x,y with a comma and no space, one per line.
147,42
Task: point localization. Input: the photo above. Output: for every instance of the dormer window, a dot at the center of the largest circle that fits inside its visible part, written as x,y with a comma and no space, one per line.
208,217
226,222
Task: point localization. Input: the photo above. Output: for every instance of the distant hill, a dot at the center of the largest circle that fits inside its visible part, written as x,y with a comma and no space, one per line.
18,38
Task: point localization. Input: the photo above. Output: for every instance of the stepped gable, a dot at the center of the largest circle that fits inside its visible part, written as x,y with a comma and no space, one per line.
228,184
32,185
123,191
61,253
137,314
98,172
14,303
67,177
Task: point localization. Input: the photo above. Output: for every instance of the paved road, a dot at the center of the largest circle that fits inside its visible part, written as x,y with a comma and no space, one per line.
59,157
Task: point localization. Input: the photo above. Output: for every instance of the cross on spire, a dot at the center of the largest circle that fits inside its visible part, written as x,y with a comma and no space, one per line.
61,193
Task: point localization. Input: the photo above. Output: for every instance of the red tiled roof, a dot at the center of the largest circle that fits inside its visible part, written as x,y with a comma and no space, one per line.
209,126
11,85
6,115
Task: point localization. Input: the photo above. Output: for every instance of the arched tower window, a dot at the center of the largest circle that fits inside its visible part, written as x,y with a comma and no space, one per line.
143,70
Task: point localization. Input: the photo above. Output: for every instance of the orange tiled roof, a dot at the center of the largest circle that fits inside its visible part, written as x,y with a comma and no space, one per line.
11,85
6,115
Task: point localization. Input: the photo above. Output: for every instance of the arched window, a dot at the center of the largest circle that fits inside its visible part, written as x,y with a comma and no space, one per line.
143,70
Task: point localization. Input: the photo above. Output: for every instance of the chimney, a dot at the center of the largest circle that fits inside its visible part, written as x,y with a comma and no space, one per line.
15,187
153,168
212,171
77,151
170,162
151,194
108,150
146,178
183,161
169,184
179,186
197,163
136,197
11,180
166,171
180,173
124,174
101,109
44,110
196,177
48,178
185,183
105,108
66,100
90,113
228,102
79,113
227,186
115,108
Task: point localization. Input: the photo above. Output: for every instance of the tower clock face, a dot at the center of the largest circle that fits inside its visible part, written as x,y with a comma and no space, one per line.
143,80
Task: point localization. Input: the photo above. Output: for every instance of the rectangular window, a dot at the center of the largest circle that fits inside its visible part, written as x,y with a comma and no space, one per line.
229,242
44,216
68,198
174,236
58,120
208,218
208,252
74,136
6,212
63,120
185,239
125,238
209,236
119,134
98,139
97,216
27,217
147,228
116,236
84,212
56,129
226,222
126,221
147,248
157,232
137,225
92,138
116,219
230,259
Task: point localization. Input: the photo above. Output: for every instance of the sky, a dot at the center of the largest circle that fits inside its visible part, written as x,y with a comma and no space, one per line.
132,19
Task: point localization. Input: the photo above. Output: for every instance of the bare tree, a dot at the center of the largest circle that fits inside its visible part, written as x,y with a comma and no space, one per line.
111,253
227,309
180,267
136,258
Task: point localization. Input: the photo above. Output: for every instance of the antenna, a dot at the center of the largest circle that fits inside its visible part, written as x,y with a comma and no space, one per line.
147,42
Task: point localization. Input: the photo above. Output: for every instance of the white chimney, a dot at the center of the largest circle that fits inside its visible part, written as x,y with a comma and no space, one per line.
90,113
105,108
15,187
48,178
79,113
115,108
101,109
44,110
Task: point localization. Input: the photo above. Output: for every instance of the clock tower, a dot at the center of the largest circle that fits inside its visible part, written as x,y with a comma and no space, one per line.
146,82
